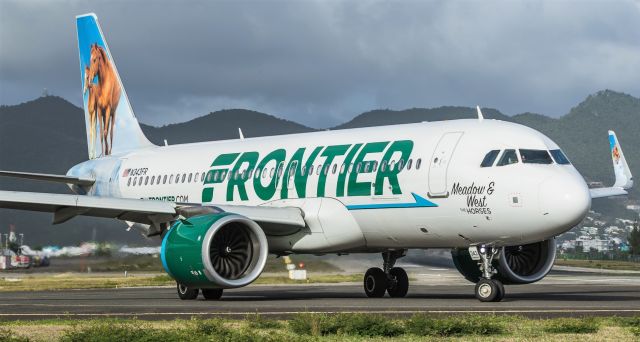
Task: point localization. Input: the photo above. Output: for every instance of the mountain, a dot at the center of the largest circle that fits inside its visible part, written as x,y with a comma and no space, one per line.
223,125
48,135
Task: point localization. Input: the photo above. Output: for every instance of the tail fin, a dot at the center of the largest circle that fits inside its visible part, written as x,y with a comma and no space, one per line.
624,179
112,127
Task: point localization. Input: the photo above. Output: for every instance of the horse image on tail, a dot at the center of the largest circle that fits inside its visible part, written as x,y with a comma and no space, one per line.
105,94
92,109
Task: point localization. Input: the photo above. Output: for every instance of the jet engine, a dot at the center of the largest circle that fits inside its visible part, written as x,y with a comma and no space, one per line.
523,264
221,250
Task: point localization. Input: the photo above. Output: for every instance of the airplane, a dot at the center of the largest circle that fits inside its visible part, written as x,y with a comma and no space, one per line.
496,193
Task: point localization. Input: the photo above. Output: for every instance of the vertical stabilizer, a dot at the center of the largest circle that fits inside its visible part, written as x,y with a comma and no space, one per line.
112,127
624,179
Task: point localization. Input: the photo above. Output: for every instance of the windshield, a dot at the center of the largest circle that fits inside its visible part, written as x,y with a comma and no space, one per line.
508,157
535,157
490,158
559,157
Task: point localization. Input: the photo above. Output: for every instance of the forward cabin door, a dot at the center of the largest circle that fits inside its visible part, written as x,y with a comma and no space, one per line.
440,163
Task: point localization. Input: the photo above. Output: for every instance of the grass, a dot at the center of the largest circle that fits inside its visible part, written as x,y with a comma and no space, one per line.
600,264
74,281
329,327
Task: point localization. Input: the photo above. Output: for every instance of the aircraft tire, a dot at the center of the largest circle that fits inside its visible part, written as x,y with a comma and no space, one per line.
375,282
401,286
186,293
487,290
211,294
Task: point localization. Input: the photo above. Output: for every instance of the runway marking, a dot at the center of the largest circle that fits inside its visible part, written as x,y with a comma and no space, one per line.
398,312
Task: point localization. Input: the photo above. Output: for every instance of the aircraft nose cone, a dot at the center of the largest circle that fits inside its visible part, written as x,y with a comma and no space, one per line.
564,202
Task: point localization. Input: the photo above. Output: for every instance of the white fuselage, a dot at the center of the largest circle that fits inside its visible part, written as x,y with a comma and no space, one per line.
440,197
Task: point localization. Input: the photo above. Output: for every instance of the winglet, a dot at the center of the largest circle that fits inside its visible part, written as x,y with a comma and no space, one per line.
624,178
480,116
240,133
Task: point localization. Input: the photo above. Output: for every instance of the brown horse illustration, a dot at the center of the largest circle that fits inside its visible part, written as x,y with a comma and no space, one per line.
92,108
107,94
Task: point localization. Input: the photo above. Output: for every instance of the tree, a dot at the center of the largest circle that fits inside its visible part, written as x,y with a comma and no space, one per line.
634,239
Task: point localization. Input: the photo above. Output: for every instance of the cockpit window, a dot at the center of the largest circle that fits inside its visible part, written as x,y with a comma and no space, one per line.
535,157
508,157
559,157
490,158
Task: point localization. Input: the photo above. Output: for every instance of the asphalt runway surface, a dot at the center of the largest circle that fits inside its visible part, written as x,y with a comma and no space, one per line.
556,295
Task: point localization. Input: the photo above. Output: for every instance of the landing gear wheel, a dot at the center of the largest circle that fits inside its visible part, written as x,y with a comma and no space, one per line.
488,290
186,293
400,286
211,294
501,292
375,282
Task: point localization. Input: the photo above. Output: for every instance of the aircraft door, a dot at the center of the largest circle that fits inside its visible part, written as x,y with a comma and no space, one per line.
440,163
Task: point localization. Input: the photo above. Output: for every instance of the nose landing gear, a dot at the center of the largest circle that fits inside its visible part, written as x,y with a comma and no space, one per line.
487,289
393,280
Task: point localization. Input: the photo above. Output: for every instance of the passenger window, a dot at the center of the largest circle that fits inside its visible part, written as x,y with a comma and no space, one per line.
134,181
392,164
190,177
170,179
383,166
400,164
490,158
164,179
184,176
409,162
334,169
326,170
343,167
508,157
129,182
195,178
559,157
418,163
535,157
375,166
366,167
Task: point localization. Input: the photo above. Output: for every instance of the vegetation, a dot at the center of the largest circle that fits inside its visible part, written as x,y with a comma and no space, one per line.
634,239
600,264
328,327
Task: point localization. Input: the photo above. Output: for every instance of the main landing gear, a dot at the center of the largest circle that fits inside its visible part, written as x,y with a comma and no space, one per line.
393,280
487,289
188,293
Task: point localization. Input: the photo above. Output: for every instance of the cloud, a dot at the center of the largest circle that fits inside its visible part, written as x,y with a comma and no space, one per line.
322,62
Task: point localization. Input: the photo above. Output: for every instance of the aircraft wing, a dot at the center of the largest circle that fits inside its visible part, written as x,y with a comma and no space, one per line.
274,220
624,178
48,177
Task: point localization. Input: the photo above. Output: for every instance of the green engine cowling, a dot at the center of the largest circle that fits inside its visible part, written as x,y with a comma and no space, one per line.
221,250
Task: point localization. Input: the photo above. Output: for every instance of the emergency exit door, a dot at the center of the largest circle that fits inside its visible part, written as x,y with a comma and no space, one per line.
440,164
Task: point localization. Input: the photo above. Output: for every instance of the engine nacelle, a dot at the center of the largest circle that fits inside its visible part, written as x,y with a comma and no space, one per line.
522,264
222,250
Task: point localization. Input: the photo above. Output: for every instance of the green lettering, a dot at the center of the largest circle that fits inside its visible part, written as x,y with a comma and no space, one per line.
329,153
266,192
238,180
343,175
300,178
354,187
404,147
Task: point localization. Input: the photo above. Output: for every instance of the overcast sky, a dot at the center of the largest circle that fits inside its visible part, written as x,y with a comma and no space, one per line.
322,62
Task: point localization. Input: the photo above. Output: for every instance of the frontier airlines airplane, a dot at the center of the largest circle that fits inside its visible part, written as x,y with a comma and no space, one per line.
495,193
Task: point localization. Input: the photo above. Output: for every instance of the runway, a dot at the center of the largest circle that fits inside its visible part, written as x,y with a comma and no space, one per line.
554,296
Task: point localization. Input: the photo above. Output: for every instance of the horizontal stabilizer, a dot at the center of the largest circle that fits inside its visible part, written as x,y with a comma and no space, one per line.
49,177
